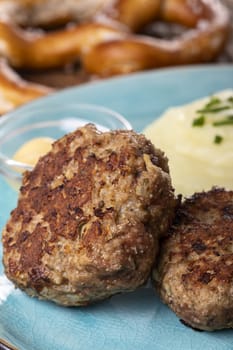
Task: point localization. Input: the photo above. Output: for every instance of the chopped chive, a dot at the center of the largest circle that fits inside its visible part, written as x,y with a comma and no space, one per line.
227,121
214,101
218,139
213,110
200,121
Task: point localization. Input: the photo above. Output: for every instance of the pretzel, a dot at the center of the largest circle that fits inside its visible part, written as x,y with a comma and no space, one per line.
48,13
14,91
208,22
108,48
105,38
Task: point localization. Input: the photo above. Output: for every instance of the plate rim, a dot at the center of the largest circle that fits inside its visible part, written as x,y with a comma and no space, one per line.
119,78
130,76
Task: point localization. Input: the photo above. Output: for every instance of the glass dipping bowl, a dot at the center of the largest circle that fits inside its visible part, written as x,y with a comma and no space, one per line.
25,124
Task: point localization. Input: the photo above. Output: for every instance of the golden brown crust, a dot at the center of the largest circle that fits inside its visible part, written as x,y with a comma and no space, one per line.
194,275
48,13
88,217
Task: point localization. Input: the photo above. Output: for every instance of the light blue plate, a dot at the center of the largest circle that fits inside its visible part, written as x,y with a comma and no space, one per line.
133,321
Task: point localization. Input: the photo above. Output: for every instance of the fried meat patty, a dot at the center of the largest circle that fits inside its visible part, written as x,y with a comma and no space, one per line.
88,217
194,275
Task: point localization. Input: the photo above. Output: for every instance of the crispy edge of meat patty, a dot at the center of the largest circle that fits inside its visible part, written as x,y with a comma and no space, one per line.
88,217
194,272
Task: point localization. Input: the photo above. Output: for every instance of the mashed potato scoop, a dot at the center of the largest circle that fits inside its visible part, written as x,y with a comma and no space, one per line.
198,141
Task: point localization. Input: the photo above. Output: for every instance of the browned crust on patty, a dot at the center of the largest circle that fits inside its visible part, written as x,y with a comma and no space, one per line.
194,275
88,217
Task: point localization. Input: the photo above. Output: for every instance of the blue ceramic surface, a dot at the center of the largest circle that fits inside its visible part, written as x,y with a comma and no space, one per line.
133,321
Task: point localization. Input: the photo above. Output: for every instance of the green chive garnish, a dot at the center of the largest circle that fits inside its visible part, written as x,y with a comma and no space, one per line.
213,110
200,121
218,139
214,101
227,121
215,105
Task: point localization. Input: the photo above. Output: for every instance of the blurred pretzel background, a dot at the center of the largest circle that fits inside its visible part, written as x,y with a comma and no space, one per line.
227,55
119,46
73,75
